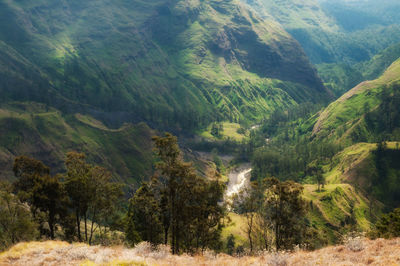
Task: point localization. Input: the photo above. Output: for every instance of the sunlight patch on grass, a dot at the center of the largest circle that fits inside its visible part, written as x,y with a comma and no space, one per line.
230,131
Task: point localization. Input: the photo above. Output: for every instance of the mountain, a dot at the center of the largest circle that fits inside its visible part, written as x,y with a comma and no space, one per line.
359,14
340,78
41,132
175,64
352,145
368,112
336,31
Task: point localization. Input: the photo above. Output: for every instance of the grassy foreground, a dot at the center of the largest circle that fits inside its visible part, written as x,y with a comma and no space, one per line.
363,252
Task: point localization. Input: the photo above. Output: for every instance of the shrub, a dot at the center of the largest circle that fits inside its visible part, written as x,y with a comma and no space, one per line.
354,242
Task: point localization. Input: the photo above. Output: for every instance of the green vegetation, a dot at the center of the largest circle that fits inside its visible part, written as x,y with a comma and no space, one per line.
60,204
359,179
341,77
366,113
36,129
235,227
180,64
16,221
335,32
388,226
75,75
225,130
178,206
274,213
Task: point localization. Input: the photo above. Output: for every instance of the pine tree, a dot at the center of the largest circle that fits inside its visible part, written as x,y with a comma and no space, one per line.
44,193
93,196
190,209
145,216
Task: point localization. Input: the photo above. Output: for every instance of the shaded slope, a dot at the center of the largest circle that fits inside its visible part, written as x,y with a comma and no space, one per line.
44,133
336,31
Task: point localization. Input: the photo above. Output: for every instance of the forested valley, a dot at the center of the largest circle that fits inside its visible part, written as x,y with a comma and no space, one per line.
242,130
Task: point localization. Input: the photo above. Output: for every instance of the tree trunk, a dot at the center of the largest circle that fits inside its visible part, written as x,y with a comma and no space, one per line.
78,224
91,228
51,224
86,236
166,235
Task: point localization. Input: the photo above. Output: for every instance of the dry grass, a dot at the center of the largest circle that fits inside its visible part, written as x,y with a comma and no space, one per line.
374,252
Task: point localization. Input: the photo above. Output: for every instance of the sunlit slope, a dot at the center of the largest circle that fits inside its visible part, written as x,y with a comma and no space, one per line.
34,130
356,192
189,62
343,119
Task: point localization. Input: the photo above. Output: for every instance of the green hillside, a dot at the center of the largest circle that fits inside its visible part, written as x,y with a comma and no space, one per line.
358,115
336,31
357,191
341,77
379,63
38,131
176,64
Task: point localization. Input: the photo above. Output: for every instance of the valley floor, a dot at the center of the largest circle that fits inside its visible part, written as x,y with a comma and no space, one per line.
371,252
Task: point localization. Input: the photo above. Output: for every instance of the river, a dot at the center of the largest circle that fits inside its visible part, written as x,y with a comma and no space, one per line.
238,179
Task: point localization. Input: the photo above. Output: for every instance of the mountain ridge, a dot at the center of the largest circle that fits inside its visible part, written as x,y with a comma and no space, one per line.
152,61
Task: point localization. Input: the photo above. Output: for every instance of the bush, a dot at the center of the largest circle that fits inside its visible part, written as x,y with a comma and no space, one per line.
354,242
278,259
16,222
388,226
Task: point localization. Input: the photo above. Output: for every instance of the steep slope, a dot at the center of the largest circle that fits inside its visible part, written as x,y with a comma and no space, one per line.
44,133
375,67
364,12
176,63
340,78
365,113
335,31
372,168
362,181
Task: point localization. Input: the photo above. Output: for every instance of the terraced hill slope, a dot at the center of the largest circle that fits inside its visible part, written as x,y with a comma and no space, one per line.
45,133
177,64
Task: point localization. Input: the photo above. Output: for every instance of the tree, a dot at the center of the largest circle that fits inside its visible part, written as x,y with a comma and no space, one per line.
217,129
43,192
145,216
317,172
230,244
93,196
247,203
388,226
286,210
104,199
208,212
77,186
16,221
190,209
274,210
